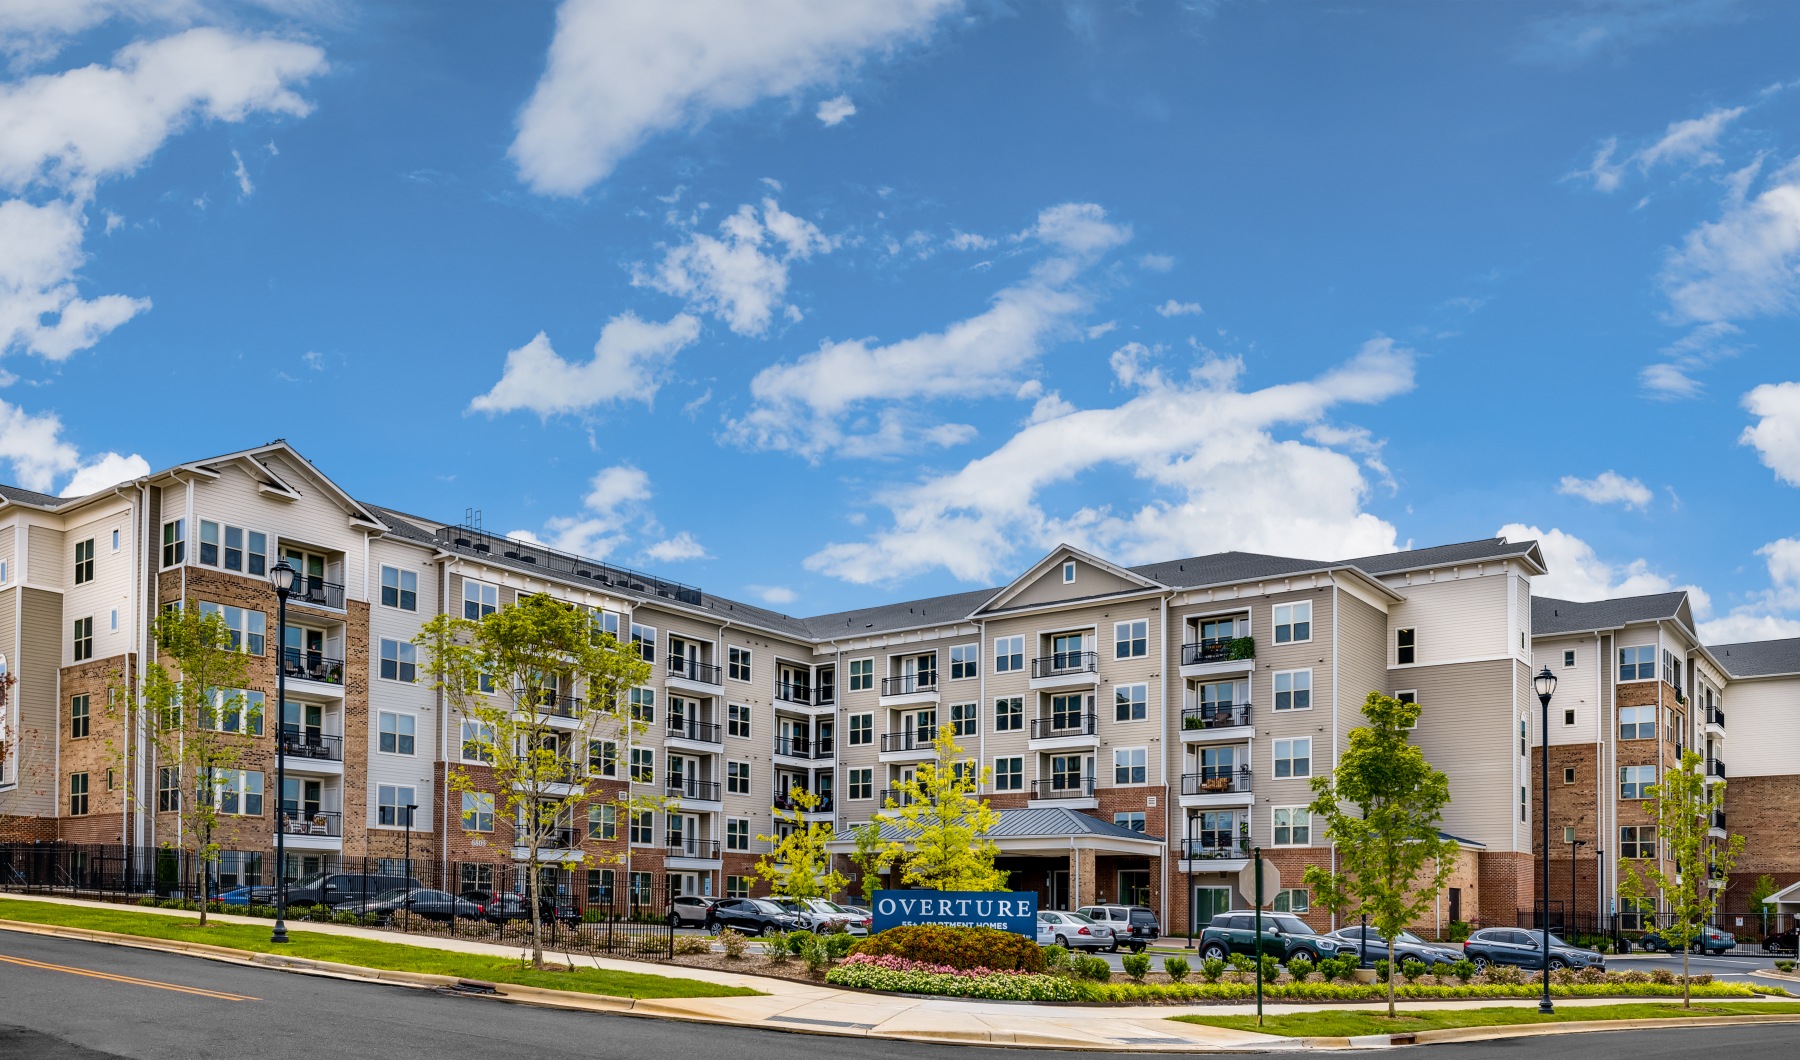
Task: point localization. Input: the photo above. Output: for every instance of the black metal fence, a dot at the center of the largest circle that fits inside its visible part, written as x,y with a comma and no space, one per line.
1755,931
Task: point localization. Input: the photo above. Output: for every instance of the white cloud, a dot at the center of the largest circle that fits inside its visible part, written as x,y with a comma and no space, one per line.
969,241
614,513
39,455
835,110
1156,262
620,71
1699,349
676,549
741,277
1769,614
245,188
1576,33
1608,487
1689,142
108,469
774,594
811,405
1746,263
1578,573
1208,448
1776,434
1172,308
1741,626
629,363
40,310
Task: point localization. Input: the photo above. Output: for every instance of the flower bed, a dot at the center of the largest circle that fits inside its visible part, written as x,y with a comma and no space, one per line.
899,974
1130,993
957,947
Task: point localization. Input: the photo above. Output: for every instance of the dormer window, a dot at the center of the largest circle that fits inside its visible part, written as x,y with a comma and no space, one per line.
1068,571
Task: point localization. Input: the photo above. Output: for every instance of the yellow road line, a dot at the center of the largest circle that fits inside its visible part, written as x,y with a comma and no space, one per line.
110,977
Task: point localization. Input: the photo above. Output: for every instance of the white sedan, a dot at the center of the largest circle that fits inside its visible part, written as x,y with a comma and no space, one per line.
1072,931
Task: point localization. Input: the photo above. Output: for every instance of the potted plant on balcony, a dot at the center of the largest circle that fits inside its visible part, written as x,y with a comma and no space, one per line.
1192,721
1241,648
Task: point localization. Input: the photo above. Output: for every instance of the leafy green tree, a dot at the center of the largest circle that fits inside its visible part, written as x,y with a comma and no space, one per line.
1682,806
868,859
1382,806
798,865
946,824
199,721
1760,892
511,678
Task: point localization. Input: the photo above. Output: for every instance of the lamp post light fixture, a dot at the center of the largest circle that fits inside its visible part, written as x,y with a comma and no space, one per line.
282,578
1545,683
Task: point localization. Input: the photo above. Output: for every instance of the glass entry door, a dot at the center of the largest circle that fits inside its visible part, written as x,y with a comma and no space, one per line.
1208,903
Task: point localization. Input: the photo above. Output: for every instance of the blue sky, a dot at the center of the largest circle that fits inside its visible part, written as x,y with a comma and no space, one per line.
819,303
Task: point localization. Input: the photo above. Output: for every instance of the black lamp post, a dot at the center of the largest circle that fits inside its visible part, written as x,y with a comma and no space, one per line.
1545,682
282,577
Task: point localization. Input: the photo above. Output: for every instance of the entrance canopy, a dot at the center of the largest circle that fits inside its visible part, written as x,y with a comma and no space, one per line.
1045,830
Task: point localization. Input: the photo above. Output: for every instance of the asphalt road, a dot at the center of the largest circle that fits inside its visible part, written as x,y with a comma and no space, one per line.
96,1002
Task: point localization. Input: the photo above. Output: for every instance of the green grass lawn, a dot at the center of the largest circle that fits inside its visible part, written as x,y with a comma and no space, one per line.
388,956
1349,1024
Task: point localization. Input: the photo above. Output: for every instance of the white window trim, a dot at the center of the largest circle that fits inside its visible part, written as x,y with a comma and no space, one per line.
998,653
1274,624
1655,665
1022,781
1275,756
950,655
850,783
1127,624
1291,810
1413,692
415,733
1115,774
745,821
375,805
1414,630
396,679
477,797
849,664
399,587
748,719
1068,572
1307,670
1115,719
1569,658
749,776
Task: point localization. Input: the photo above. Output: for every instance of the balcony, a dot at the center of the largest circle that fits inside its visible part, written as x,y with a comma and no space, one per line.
304,829
312,752
1214,721
298,665
894,795
1715,720
908,744
1064,790
792,693
1221,849
910,688
1217,786
1065,669
695,671
783,800
550,705
692,730
794,747
691,849
317,592
1715,769
692,789
1716,827
1213,655
1064,730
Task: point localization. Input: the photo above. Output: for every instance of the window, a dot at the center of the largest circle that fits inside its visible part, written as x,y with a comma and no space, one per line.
1293,900
1633,912
399,661
737,659
643,705
1009,714
1637,723
643,831
1410,696
1569,834
84,639
737,720
479,600
1637,841
602,624
78,716
964,661
84,561
737,778
477,741
1635,780
248,628
115,620
1068,571
862,729
963,718
862,675
737,886
168,789
400,588
1009,774
233,710
643,765
1293,758
2,571
1293,690
1671,669
78,794
393,805
1131,640
1293,826
1403,647
737,833
1637,663
1524,735
1568,658
603,822
603,758
397,732
1293,623
231,547
1130,702
1522,802
174,551
1569,716
478,811
862,783
644,638
1132,819
240,792
1009,654
1129,765
1568,774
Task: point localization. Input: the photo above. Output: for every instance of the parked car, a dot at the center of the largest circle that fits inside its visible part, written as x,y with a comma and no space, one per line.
420,902
1072,931
752,916
1524,948
247,896
816,914
338,890
1710,940
501,906
1284,936
687,910
1781,941
864,921
1134,926
1407,947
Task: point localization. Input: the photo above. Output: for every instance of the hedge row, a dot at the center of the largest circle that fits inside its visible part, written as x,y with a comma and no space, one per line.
957,947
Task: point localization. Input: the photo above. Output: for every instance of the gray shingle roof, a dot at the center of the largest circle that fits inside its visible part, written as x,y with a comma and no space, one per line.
1044,822
42,500
902,614
1759,658
1223,567
1460,552
1550,615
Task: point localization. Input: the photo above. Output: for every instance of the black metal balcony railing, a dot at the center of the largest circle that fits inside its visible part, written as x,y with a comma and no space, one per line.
1063,786
547,702
1715,716
301,665
695,730
1059,725
317,592
1215,845
693,788
559,839
788,692
909,740
693,670
784,800
894,795
1216,780
298,820
1718,820
562,771
907,684
1215,716
1217,649
314,745
1715,767
1065,662
707,849
824,694
793,746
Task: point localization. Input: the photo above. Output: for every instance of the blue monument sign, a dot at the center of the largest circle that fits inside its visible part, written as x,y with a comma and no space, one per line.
1014,911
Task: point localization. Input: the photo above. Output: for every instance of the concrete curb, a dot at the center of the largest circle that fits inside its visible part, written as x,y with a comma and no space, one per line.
1533,1030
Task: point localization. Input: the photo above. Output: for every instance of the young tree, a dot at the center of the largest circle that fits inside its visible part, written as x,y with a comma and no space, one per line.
1382,806
511,677
1760,892
868,857
799,866
946,824
1682,807
199,721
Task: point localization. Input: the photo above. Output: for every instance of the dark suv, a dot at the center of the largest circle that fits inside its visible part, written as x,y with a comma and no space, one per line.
340,890
1134,926
1284,936
1524,948
1407,947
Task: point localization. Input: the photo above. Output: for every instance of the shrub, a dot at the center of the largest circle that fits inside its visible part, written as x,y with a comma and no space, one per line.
1412,968
592,916
1603,945
814,952
838,944
263,911
1056,959
1463,969
1504,975
1784,966
1300,968
796,942
648,945
736,945
1662,977
1211,968
147,900
1137,965
1457,931
775,947
1176,968
1268,967
690,945
1093,968
1383,970
1242,963
920,977
957,947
